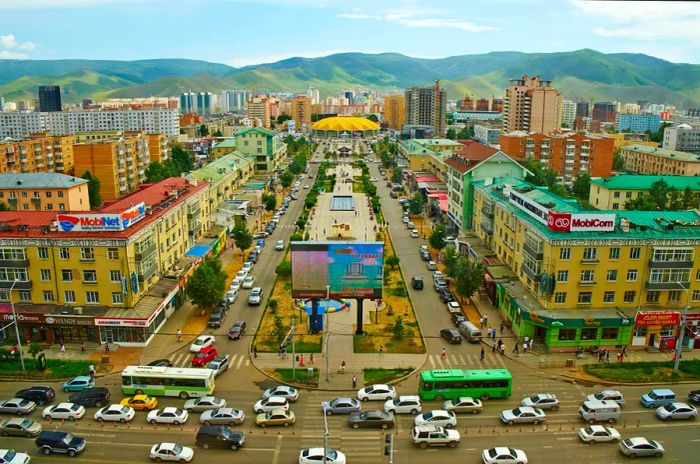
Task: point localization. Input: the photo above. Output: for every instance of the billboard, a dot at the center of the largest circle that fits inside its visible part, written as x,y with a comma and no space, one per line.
568,222
81,222
349,269
656,318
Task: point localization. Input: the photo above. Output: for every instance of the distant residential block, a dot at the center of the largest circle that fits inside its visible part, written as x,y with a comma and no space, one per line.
638,122
44,192
613,192
641,159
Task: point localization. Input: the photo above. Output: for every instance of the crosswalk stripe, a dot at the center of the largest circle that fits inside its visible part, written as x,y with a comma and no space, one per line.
461,359
432,363
240,361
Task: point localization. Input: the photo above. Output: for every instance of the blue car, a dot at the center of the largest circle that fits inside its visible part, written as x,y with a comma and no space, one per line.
260,243
78,384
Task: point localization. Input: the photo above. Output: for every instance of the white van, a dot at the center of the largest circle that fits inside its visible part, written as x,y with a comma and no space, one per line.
470,332
599,411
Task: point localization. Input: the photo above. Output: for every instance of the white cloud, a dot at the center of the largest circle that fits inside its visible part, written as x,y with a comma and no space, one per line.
255,60
423,18
7,55
9,41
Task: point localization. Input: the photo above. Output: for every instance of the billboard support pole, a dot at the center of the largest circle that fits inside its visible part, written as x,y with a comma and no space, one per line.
314,316
359,330
294,356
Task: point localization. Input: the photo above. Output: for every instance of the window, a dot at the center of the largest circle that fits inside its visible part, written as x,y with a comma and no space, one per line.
66,275
669,275
117,298
615,205
59,194
25,296
87,254
672,254
630,296
614,253
628,195
563,276
4,296
62,206
48,296
640,331
42,253
113,253
48,194
92,297
90,277
632,275
590,254
587,276
560,297
45,275
565,253
653,297
24,194
12,254
115,276
589,333
674,296
585,298
609,333
567,335
696,295
609,297
36,195
611,275
64,253
69,296
635,252
616,195
667,330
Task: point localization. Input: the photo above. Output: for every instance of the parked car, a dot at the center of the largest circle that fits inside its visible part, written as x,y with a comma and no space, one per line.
140,402
236,283
237,330
503,455
95,397
434,435
115,413
463,404
284,391
454,308
39,394
445,295
248,282
204,356
404,404
247,266
255,297
205,403
341,406
270,404
275,417
203,341
641,446
380,392
231,295
542,401
315,456
64,411
607,395
457,318
677,411
222,416
439,282
170,415
432,265
10,456
522,415
218,315
414,234
79,383
694,396
219,364
417,282
452,335
20,427
440,417
171,452
60,442
598,434
160,363
371,419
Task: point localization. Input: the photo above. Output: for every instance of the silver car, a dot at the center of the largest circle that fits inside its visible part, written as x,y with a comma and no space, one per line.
17,406
222,416
677,411
640,446
204,403
463,404
341,406
522,415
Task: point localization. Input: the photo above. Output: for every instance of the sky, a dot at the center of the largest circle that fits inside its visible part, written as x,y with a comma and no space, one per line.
246,32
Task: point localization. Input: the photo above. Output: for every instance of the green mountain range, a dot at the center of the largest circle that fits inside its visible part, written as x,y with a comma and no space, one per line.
586,74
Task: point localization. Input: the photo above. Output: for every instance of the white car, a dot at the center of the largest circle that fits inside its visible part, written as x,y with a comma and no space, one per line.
598,434
415,234
432,266
171,415
247,266
65,411
610,395
236,283
677,411
241,274
231,296
542,401
404,404
438,275
377,392
268,404
8,456
522,415
503,455
201,342
463,404
248,282
440,417
204,403
115,413
171,452
405,219
284,391
279,246
306,186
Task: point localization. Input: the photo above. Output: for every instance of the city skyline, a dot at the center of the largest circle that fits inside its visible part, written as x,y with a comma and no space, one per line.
63,29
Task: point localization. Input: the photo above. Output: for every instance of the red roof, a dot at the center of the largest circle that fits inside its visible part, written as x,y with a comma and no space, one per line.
473,154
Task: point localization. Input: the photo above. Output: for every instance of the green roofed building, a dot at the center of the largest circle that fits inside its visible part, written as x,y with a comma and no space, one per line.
225,175
613,192
264,146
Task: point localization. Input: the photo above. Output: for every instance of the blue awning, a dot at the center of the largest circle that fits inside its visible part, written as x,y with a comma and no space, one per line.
199,251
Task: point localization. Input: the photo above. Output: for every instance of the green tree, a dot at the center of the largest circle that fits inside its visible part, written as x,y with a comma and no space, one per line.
437,238
270,202
373,117
286,179
417,204
398,328
618,161
284,268
659,192
207,285
392,261
582,186
450,260
34,349
397,175
4,207
203,130
675,201
182,160
242,237
94,194
689,199
283,117
217,133
468,277
451,134
541,176
298,164
157,171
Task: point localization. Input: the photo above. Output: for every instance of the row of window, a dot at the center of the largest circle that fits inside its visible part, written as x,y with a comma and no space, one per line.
24,194
128,381
86,253
454,384
586,298
655,275
47,296
588,333
591,253
89,276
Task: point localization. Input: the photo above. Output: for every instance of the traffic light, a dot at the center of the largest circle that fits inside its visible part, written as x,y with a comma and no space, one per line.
388,439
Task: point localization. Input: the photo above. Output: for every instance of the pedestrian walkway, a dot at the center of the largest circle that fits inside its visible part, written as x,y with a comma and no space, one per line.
466,361
237,361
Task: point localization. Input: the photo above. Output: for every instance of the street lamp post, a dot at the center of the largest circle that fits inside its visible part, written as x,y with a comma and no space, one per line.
328,335
14,318
681,335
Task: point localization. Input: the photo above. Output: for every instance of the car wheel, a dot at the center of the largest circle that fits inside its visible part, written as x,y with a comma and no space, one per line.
158,459
329,412
183,395
98,404
65,390
384,426
138,392
423,444
510,422
4,434
365,399
258,411
448,426
485,396
355,426
475,411
28,435
207,422
536,421
49,418
286,424
41,402
387,398
554,408
152,422
122,420
176,422
632,455
414,411
452,444
658,454
591,421
182,460
439,398
234,447
71,453
46,451
100,420
71,418
263,425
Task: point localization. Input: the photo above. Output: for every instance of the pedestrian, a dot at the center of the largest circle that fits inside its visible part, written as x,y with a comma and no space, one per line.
443,354
63,348
607,357
493,334
178,334
381,350
280,352
342,367
82,347
91,368
502,349
255,351
620,356
503,324
106,347
284,352
354,382
515,349
301,360
493,347
311,359
486,321
482,355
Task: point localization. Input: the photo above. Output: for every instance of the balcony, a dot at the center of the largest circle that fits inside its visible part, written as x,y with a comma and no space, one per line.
587,283
194,229
667,285
530,273
487,210
23,263
670,264
20,285
538,255
146,274
146,250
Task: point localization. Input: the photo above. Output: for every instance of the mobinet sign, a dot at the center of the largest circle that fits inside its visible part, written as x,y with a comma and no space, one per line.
101,222
567,222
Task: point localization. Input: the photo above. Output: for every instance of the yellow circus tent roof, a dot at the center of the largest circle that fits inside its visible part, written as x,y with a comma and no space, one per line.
345,123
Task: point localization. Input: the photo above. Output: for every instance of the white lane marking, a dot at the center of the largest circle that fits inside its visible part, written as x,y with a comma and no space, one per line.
240,360
278,449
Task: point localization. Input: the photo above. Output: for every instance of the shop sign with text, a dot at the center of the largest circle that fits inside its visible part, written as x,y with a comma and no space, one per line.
654,318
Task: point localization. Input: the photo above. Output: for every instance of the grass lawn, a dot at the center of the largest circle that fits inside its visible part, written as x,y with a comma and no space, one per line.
55,369
378,375
302,376
644,371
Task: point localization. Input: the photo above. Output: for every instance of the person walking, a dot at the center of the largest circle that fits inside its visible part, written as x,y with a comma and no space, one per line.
301,360
381,350
354,382
255,351
607,357
91,369
493,347
82,348
311,359
443,354
106,347
482,355
63,347
503,349
178,334
342,367
515,349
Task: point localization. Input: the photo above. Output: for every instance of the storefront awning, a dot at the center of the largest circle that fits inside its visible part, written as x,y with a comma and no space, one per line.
199,251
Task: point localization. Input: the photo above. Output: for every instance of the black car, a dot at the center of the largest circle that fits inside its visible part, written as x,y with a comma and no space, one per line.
219,436
425,256
236,331
161,363
417,282
95,397
39,394
218,315
694,396
445,295
457,319
60,442
452,335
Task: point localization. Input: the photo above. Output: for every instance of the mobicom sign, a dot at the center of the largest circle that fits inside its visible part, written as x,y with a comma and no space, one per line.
79,222
564,222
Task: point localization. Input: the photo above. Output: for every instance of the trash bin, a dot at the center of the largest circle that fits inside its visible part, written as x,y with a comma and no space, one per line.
310,372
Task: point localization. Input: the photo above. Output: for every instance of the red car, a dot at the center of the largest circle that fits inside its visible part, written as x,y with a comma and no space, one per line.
204,356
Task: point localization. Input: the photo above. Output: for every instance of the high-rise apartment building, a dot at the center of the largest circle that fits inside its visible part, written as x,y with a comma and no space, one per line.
259,108
50,98
205,103
2,103
531,105
426,106
497,105
188,102
637,122
235,100
604,112
394,111
582,109
300,111
482,104
314,95
568,113
683,137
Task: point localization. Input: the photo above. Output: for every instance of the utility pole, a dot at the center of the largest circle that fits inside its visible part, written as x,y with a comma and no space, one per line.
15,320
681,335
389,448
327,334
294,363
325,437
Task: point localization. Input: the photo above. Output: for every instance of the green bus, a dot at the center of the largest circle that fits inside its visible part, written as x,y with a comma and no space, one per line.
445,384
167,381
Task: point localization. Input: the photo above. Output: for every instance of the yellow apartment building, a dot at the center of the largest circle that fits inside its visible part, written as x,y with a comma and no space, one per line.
642,159
39,152
395,111
44,192
614,192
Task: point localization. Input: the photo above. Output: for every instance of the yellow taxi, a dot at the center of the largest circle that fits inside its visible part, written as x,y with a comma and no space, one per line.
140,402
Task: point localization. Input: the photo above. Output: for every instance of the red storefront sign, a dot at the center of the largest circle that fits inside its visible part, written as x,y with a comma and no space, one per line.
26,317
661,318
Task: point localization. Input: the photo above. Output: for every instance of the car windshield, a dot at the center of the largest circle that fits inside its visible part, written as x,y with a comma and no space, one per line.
177,449
75,407
492,452
588,430
456,401
599,396
332,454
68,438
199,341
669,408
9,455
653,395
517,411
26,423
428,415
178,411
